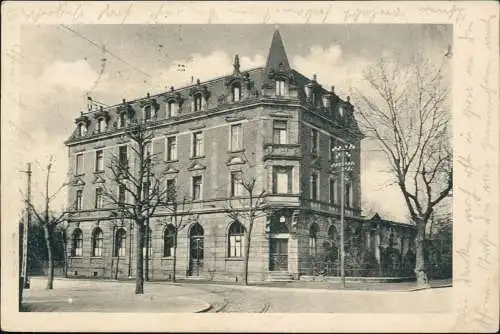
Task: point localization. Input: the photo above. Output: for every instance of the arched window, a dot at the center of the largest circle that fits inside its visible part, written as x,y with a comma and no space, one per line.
77,247
332,234
236,92
97,242
168,241
313,239
235,239
148,243
120,242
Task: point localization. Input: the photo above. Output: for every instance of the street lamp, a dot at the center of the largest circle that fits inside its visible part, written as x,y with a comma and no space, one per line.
343,164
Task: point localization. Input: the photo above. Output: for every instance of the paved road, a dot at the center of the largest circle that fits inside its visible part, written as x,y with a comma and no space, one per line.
81,295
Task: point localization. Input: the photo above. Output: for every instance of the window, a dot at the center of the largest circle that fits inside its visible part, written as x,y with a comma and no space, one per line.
78,201
171,109
236,137
333,143
99,161
147,113
147,149
279,132
122,121
235,240
236,185
314,141
197,102
77,248
171,148
82,129
236,93
282,180
313,238
79,164
333,191
148,243
280,88
101,125
348,195
171,191
197,144
97,242
98,198
120,242
168,241
314,186
121,193
197,187
122,156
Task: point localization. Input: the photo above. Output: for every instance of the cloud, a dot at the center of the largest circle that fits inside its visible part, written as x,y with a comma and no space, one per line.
203,67
77,75
332,68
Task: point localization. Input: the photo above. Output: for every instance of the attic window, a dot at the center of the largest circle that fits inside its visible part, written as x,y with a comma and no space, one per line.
280,87
171,108
341,111
147,113
101,125
236,91
82,129
122,120
197,102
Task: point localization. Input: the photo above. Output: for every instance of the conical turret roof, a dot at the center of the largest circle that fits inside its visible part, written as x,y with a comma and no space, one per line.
277,59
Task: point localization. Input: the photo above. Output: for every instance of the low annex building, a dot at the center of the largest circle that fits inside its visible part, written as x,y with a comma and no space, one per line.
271,122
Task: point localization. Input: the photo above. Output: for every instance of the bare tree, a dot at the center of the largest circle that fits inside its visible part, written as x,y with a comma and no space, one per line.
407,113
180,216
246,209
49,221
136,189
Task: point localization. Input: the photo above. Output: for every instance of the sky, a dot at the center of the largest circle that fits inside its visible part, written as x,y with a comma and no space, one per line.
60,65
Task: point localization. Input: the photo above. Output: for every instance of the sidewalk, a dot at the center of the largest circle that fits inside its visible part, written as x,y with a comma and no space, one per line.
108,296
318,285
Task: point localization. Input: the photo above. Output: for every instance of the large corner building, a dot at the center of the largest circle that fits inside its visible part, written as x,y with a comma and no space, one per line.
271,122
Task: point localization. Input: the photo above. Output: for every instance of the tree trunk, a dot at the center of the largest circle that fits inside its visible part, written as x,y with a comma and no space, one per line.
175,257
65,242
139,274
247,253
146,256
48,243
422,281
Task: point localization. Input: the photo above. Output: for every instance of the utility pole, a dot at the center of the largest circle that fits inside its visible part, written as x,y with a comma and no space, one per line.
26,227
341,152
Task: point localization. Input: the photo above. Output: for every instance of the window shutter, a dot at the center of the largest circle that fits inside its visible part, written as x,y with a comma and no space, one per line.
290,180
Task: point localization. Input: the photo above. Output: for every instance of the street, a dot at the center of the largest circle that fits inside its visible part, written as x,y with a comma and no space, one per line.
112,296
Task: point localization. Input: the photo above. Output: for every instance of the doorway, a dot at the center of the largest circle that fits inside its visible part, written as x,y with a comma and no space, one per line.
278,254
196,250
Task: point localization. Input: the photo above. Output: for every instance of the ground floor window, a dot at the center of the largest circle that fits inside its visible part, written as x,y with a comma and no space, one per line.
235,240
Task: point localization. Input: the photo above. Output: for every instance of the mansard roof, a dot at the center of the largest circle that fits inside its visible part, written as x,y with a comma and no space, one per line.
217,91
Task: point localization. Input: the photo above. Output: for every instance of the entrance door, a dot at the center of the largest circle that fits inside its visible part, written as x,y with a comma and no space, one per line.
196,250
278,254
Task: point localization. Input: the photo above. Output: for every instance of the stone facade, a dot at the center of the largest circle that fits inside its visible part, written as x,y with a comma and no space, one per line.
287,126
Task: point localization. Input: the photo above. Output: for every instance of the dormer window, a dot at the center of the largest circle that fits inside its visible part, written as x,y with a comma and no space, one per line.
171,108
82,129
101,125
280,87
122,122
147,113
236,92
341,111
197,102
